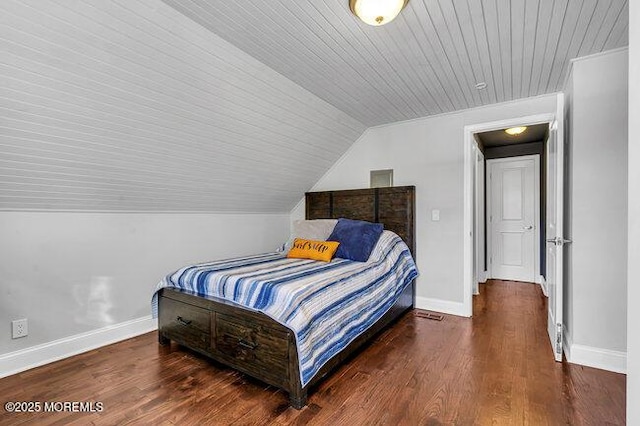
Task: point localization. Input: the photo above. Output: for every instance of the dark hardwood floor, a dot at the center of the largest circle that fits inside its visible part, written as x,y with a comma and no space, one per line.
494,369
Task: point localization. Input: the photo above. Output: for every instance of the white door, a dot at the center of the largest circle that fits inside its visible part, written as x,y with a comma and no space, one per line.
514,197
555,235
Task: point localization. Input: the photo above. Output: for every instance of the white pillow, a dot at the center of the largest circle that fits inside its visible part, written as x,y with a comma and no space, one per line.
317,229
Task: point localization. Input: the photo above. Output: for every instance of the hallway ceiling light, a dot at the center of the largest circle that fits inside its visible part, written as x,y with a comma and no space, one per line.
515,130
377,12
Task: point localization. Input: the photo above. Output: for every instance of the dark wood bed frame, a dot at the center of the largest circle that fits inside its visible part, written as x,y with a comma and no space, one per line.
255,344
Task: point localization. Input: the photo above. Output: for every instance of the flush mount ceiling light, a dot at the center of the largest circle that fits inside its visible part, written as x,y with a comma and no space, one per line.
377,12
515,130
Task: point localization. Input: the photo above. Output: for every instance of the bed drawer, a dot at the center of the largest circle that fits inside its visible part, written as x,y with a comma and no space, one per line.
185,323
254,348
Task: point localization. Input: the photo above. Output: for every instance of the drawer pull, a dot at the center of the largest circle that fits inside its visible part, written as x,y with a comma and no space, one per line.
183,321
247,345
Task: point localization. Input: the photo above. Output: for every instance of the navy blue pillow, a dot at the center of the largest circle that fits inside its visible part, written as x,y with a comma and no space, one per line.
357,238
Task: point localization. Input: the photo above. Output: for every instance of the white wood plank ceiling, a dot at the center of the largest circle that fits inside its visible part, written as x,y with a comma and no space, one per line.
212,105
129,105
425,62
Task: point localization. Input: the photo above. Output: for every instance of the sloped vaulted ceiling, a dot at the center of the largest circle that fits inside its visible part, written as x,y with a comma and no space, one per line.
129,105
143,105
429,59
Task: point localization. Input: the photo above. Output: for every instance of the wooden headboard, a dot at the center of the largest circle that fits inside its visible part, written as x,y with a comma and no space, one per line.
394,207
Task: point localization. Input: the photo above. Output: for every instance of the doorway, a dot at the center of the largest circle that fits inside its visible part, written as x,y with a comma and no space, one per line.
473,270
553,220
514,244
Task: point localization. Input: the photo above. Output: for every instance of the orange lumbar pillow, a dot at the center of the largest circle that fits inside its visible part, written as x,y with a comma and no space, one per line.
311,249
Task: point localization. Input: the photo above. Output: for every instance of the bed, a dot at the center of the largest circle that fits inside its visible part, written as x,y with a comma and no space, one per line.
253,339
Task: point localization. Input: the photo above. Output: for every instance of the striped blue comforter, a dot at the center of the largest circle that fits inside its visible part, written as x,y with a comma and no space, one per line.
326,305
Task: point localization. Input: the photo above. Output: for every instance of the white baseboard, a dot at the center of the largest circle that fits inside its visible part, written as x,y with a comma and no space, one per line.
443,306
35,356
589,356
543,285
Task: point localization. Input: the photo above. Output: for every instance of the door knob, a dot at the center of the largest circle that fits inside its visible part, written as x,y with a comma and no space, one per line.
559,241
528,228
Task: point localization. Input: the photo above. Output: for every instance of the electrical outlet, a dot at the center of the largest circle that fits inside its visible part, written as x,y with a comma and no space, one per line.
19,328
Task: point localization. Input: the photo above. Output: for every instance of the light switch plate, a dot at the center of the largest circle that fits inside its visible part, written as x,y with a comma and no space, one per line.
435,215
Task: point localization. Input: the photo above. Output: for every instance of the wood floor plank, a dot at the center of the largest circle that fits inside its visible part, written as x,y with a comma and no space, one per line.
496,368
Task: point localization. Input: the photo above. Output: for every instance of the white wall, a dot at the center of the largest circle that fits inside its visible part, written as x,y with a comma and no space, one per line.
428,153
597,280
70,273
633,301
